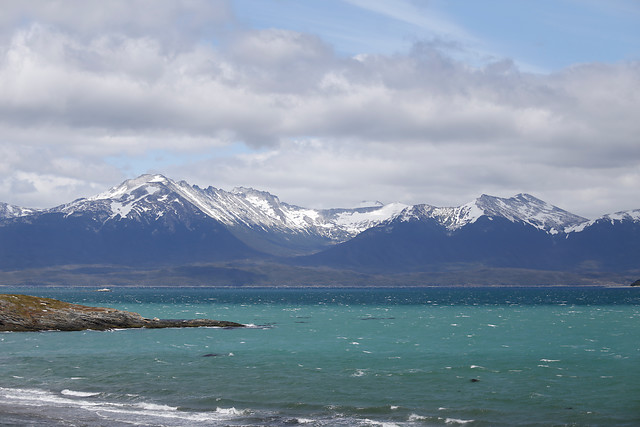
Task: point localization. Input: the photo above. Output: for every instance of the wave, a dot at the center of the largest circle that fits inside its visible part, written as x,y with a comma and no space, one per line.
78,405
457,421
68,392
92,409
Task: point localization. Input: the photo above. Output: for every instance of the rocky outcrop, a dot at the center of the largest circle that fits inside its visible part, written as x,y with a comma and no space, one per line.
29,313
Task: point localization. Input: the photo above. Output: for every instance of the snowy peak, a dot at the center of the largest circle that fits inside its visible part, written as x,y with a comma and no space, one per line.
523,208
251,192
530,210
633,216
618,217
12,211
148,182
264,202
148,196
452,218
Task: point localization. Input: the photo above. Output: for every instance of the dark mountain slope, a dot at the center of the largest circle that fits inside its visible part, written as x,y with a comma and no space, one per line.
181,236
425,245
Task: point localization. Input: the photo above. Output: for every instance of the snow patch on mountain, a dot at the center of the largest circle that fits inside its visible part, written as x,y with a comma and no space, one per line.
451,218
13,211
120,209
357,220
633,215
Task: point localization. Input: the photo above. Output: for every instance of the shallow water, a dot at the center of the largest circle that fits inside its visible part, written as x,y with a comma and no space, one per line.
432,356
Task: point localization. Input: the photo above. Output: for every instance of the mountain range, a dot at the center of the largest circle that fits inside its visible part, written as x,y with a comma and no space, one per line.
153,228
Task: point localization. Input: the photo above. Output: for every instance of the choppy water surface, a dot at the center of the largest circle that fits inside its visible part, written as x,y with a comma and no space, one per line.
433,356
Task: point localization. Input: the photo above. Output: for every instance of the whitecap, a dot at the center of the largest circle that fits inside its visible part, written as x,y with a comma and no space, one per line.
74,393
359,373
379,423
156,407
229,411
416,417
457,421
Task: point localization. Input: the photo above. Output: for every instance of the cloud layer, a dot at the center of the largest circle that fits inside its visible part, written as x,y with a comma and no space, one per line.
280,110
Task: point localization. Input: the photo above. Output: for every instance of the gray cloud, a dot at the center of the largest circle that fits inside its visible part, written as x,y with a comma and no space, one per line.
322,129
172,22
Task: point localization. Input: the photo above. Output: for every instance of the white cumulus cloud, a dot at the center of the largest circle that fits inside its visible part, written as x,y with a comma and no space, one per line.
84,82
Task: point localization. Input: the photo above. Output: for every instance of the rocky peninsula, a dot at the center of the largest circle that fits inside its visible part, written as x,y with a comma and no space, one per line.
21,313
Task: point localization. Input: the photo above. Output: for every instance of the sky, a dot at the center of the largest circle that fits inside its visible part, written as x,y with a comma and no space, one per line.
324,103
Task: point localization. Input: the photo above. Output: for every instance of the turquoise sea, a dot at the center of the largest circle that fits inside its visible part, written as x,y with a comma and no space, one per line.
335,357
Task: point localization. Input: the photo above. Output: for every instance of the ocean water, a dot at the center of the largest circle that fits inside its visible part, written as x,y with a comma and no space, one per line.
335,357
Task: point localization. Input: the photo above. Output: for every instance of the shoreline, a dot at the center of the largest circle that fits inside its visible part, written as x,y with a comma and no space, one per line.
97,289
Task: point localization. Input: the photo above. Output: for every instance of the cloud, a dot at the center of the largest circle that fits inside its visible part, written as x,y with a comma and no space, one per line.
170,21
314,127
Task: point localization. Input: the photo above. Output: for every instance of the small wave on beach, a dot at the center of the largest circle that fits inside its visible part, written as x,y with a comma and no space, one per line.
40,407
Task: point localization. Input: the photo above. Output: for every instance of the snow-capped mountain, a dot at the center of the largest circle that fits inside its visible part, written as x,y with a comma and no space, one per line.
258,218
522,208
155,221
143,222
520,232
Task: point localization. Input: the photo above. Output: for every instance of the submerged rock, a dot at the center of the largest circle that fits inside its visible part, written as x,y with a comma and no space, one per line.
29,313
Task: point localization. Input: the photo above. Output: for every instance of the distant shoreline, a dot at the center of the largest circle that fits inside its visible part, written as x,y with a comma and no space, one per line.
93,288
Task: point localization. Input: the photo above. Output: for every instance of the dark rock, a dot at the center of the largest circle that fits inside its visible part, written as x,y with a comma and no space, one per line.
27,313
475,380
636,283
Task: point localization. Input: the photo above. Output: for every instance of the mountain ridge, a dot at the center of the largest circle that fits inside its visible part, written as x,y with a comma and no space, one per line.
520,207
153,223
261,211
